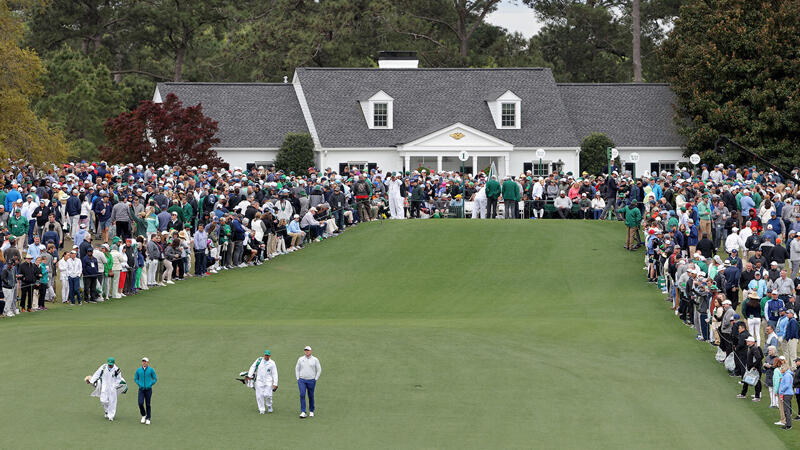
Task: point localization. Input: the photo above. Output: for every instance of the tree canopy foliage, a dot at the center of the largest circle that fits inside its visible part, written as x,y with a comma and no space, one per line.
296,153
732,63
735,68
594,159
163,133
23,135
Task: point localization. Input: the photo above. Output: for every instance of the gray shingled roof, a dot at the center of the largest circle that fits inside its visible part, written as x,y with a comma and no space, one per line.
431,99
631,114
250,115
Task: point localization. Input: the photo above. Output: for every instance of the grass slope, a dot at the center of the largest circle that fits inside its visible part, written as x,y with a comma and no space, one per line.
432,334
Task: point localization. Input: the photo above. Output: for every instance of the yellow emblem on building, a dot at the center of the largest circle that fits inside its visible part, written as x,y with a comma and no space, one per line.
457,135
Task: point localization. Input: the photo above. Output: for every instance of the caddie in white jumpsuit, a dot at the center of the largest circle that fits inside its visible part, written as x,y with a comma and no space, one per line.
264,374
395,199
479,205
110,377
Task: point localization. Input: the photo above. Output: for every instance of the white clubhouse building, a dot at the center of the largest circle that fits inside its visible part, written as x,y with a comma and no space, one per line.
399,117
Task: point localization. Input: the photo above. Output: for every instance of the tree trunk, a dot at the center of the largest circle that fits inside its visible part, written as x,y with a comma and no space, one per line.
463,37
180,52
637,38
118,66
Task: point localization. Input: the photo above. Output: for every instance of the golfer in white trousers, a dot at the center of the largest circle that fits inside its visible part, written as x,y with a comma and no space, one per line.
264,374
479,204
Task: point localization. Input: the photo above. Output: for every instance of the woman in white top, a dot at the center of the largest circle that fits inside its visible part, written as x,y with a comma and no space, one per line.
63,275
766,210
86,212
598,205
258,227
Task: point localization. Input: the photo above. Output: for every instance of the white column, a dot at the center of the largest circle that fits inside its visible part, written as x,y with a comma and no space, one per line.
407,164
475,168
506,160
323,157
438,163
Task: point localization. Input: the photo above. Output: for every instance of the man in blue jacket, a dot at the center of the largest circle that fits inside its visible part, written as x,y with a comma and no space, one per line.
73,212
102,212
90,274
12,196
238,240
791,334
786,391
145,378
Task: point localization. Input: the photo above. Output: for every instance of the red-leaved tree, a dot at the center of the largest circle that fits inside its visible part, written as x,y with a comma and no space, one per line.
162,133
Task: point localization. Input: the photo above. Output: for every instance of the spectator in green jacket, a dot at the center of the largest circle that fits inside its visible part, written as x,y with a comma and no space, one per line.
511,196
18,227
492,193
633,217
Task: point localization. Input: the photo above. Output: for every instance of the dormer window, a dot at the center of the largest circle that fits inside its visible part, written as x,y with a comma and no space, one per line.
378,111
380,115
508,117
505,111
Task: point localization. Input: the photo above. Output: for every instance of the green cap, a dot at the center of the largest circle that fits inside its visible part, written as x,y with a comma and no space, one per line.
266,353
111,361
116,239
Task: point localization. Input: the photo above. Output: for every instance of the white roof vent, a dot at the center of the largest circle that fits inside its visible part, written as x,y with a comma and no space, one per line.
398,60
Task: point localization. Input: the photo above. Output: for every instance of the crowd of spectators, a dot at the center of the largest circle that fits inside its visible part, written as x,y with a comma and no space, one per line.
724,247
89,232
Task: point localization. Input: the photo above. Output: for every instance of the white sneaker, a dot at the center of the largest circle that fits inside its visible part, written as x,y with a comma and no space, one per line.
110,419
147,422
779,423
270,409
243,265
311,414
170,282
143,419
261,412
302,415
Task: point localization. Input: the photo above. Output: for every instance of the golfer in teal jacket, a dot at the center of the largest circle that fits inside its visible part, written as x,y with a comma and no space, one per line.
145,378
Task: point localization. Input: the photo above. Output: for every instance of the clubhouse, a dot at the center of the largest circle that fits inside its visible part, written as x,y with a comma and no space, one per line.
400,117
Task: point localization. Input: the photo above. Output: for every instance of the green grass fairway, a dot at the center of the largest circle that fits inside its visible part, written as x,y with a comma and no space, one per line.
432,334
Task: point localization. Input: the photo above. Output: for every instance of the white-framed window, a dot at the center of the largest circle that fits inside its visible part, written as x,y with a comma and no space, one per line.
508,114
506,111
380,115
378,111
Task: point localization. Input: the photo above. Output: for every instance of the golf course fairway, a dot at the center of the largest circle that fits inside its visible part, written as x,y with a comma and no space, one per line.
431,334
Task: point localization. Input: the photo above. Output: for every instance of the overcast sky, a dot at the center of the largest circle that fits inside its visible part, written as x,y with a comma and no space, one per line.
515,17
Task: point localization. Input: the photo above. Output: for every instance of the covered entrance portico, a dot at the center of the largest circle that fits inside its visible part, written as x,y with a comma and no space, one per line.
439,151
